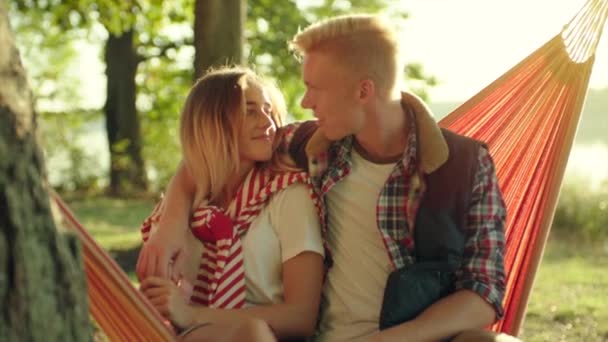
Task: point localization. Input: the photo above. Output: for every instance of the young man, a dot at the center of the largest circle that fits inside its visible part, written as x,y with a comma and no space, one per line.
378,160
388,158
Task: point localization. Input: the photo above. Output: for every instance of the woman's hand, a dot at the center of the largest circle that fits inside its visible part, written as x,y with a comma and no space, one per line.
169,300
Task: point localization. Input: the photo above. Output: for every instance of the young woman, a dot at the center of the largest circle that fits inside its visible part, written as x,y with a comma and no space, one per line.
255,237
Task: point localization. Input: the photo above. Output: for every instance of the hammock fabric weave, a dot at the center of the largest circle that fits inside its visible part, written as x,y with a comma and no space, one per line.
528,117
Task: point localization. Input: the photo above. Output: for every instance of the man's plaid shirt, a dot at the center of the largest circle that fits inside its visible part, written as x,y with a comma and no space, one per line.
482,270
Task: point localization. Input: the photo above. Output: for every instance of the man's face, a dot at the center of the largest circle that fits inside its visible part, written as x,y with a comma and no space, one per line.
332,95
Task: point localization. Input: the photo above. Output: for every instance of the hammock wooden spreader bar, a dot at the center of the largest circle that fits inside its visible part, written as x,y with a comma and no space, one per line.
122,312
528,117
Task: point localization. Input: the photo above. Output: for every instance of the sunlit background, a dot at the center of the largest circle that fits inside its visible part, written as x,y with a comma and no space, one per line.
467,44
463,44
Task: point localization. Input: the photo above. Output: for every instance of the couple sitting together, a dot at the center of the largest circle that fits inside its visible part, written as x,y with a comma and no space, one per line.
369,224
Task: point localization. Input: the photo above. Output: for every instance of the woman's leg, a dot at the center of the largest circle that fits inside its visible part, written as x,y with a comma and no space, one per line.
254,330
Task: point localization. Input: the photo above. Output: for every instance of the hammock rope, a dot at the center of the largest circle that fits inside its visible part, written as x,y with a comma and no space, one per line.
528,117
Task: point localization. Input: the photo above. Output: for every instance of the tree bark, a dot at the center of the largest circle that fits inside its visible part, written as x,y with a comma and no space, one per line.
127,169
42,287
218,33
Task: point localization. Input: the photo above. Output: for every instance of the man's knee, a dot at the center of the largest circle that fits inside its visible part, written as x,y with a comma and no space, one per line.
484,336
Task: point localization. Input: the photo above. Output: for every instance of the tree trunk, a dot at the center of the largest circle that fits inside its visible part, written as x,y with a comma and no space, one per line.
42,287
218,33
127,170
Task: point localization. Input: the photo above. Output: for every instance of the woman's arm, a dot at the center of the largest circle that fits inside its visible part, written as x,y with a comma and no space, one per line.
295,317
166,242
296,224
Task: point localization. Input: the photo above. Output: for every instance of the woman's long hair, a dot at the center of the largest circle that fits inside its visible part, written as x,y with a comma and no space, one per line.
210,124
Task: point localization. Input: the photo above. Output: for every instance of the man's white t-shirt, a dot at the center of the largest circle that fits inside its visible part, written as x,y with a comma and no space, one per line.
286,227
354,288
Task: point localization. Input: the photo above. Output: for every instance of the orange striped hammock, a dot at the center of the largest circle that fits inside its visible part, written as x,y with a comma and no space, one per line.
528,117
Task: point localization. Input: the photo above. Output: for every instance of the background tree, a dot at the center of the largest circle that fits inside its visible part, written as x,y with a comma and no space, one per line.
127,170
134,35
161,35
218,33
41,278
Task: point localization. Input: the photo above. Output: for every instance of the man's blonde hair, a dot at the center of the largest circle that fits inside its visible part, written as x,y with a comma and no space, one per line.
210,124
366,44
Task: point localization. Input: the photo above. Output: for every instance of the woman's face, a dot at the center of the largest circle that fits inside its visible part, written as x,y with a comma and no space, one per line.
257,134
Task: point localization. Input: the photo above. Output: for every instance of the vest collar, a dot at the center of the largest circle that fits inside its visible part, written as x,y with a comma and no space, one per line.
432,148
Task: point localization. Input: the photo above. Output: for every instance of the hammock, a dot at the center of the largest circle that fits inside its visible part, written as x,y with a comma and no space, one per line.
528,117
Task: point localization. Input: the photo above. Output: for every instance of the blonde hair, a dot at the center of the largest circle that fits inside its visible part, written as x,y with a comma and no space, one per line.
210,123
366,44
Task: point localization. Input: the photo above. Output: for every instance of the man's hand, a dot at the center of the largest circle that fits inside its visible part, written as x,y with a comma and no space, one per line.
162,254
164,250
168,300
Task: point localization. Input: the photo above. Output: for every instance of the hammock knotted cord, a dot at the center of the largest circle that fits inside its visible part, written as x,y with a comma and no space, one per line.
528,117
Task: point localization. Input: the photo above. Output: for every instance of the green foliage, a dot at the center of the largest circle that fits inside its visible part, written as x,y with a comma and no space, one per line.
418,80
271,27
162,39
63,15
47,52
76,166
581,213
159,104
116,16
162,35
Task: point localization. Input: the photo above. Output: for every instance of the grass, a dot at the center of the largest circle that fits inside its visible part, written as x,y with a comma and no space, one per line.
115,224
569,301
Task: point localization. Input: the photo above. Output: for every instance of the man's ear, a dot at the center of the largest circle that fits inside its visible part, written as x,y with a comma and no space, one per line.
367,90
